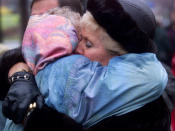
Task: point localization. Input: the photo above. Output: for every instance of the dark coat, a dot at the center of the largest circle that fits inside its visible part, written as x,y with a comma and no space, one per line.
169,93
154,116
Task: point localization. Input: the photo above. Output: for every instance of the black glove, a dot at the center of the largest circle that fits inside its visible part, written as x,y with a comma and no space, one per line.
7,60
22,93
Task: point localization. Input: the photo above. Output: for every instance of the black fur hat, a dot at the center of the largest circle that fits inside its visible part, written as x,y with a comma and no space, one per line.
129,22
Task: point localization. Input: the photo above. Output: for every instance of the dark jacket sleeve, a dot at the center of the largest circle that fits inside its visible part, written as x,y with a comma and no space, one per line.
7,60
48,119
152,117
169,93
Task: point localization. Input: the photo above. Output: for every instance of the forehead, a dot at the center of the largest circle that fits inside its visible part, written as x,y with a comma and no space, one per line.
94,32
88,26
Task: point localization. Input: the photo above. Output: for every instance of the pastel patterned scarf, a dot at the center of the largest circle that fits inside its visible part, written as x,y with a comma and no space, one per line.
47,38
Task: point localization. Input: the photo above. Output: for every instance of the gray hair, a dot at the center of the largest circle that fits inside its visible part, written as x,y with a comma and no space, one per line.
66,12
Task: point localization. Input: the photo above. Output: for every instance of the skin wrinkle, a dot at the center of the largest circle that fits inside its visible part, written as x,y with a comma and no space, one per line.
96,44
112,49
89,22
91,45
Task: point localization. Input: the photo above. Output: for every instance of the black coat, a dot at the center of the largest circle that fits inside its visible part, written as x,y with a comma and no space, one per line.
154,116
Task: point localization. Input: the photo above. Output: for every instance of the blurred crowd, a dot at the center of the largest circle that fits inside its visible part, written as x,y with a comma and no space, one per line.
165,42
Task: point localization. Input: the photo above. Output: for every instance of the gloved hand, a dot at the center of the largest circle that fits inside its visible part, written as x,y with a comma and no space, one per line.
9,59
22,93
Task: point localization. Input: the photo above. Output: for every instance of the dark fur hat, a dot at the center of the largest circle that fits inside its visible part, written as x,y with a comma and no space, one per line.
118,18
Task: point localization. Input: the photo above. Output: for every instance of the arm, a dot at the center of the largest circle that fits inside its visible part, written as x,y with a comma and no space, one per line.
7,60
23,91
169,92
18,67
89,92
40,118
87,89
47,118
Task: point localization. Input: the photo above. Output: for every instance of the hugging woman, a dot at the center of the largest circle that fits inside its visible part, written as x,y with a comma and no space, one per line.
121,82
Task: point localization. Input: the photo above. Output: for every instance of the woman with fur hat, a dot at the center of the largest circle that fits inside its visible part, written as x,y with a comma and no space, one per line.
131,75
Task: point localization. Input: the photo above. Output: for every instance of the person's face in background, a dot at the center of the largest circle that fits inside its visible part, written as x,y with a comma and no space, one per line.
42,6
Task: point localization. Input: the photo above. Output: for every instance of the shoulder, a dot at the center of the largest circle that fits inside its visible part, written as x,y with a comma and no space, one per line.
143,68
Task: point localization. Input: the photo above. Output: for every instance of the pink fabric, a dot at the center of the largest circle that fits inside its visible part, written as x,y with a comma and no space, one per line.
47,38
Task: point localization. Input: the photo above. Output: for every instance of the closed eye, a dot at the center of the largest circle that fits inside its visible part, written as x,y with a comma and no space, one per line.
88,44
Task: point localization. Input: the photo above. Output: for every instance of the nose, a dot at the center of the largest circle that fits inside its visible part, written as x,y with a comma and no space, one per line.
79,49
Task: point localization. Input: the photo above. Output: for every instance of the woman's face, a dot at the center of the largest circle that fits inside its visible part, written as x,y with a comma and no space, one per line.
91,47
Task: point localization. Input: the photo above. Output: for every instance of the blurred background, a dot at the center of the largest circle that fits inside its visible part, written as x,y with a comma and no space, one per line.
14,16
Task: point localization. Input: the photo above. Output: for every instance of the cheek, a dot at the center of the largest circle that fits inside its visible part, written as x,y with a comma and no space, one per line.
97,55
90,54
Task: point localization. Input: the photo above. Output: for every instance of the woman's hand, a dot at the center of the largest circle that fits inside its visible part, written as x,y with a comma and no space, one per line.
20,66
22,93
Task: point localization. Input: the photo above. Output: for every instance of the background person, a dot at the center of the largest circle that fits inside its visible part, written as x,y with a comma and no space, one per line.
3,49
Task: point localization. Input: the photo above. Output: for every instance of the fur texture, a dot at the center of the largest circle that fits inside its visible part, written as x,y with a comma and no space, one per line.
110,15
152,117
88,22
48,119
7,60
